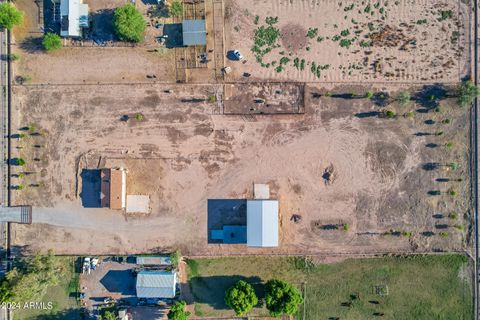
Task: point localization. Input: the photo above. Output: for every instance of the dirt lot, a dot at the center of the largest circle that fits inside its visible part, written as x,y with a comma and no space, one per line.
351,40
101,58
389,176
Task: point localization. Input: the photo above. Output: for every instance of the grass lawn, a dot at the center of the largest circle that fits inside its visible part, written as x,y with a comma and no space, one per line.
65,305
417,287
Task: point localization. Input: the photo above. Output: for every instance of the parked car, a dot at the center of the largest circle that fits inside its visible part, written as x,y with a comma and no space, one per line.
237,54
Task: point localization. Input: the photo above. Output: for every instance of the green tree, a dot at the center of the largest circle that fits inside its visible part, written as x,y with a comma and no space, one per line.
108,315
177,312
51,42
466,93
30,278
241,297
129,23
176,9
10,16
281,298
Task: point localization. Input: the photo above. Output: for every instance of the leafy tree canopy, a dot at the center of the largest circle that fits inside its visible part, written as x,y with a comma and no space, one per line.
51,42
282,298
129,23
241,297
467,92
10,16
177,312
29,280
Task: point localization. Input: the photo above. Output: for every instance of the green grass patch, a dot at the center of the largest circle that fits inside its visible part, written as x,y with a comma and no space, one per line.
414,287
63,296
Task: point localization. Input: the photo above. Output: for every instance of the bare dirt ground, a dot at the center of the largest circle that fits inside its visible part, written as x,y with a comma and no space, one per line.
75,64
351,40
384,182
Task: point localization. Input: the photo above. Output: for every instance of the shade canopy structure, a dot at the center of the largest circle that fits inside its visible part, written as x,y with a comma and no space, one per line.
194,33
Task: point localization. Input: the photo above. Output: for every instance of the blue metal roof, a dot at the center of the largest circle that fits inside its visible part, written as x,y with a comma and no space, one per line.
194,33
156,284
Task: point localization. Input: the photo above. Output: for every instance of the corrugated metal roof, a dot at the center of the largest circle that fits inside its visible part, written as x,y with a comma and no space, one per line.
156,284
262,223
154,260
194,32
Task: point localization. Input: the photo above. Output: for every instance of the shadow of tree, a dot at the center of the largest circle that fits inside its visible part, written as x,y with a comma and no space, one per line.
430,96
70,314
211,289
32,45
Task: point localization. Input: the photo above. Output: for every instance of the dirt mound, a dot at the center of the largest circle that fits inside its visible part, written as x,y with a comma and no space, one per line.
293,37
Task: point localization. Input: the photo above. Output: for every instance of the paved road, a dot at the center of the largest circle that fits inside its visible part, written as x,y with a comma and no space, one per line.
3,154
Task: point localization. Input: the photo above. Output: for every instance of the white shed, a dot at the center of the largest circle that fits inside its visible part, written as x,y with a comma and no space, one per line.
262,223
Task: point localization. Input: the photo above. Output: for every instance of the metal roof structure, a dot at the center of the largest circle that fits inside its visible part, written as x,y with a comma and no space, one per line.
74,17
113,188
194,33
154,260
156,284
262,223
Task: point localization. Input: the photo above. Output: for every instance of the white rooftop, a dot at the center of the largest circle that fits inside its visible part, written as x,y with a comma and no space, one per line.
262,223
74,17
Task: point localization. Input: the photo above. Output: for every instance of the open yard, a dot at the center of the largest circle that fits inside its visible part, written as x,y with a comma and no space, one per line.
344,41
417,287
100,57
360,182
62,296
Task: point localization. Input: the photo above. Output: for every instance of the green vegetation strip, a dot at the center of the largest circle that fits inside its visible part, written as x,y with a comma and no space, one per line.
415,287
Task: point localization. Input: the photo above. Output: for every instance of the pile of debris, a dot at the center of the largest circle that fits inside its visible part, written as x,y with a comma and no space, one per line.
390,37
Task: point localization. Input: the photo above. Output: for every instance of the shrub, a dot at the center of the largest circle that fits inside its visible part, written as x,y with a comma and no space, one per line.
176,9
212,99
409,114
446,121
467,92
241,297
407,234
18,161
176,257
346,227
139,117
403,97
460,227
369,95
13,57
10,16
390,114
453,166
51,42
443,234
177,312
281,298
453,215
449,145
452,192
129,23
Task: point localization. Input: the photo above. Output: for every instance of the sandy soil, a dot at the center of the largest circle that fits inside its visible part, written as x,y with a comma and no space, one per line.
96,64
421,46
182,155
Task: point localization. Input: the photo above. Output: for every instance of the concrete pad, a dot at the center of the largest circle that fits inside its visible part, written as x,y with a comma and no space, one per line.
261,191
138,204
